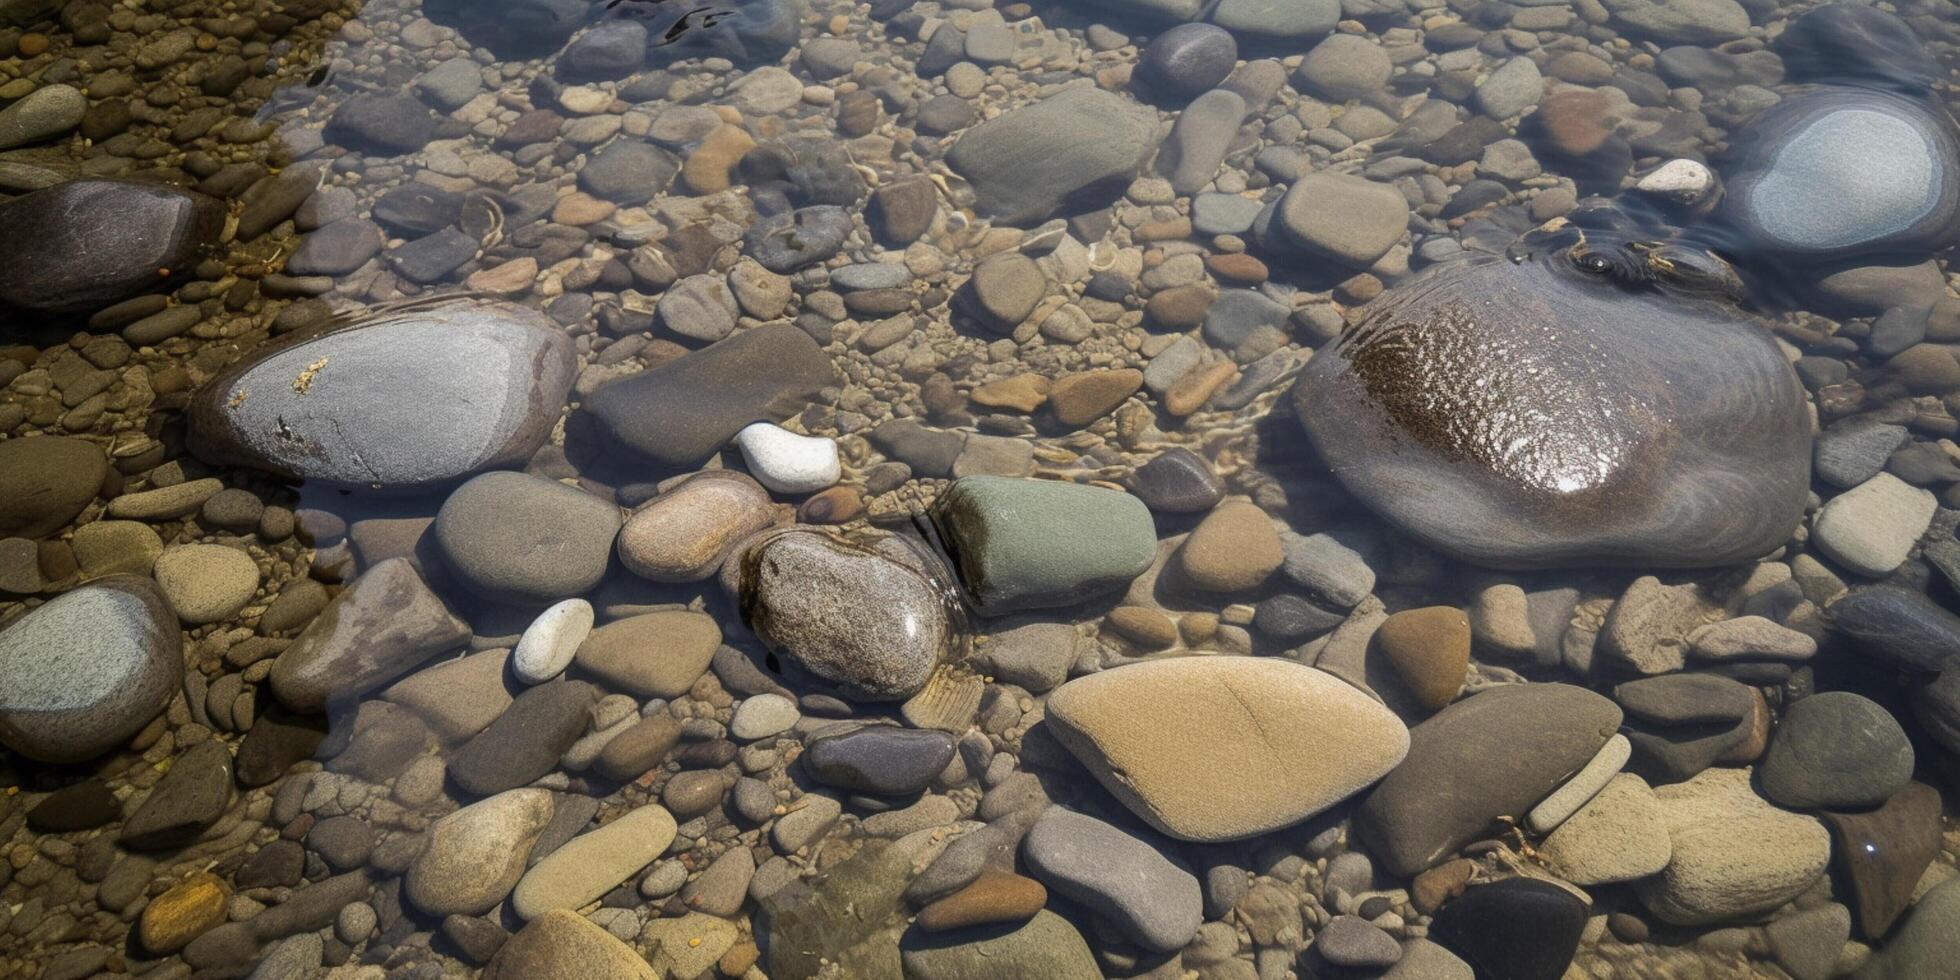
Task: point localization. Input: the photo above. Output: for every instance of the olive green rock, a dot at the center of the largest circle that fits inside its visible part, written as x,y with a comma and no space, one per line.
1033,544
45,481
1045,947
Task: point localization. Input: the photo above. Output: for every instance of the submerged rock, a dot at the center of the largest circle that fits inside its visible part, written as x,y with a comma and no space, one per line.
413,396
1844,173
84,244
1034,544
1564,410
382,626
684,411
1498,752
1224,748
84,672
1735,855
854,617
1074,150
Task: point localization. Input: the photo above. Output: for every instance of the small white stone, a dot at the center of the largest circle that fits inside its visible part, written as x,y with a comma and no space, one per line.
1687,180
763,715
547,645
786,462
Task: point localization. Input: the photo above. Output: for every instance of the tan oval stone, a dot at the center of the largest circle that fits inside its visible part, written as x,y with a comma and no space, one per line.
683,534
1216,748
1429,649
1081,398
1234,548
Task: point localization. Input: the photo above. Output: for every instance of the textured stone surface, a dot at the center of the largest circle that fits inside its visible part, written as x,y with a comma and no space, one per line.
84,672
1734,854
412,397
382,626
84,244
1134,882
475,855
1223,748
1070,151
1028,544
1521,741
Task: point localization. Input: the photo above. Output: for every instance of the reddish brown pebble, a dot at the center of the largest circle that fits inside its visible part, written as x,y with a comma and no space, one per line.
836,505
995,896
1440,884
1237,267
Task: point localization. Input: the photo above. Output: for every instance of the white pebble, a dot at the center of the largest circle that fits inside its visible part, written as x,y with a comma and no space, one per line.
786,462
1687,180
547,645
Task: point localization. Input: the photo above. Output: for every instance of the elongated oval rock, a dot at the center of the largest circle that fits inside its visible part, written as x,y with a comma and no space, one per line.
1077,148
593,863
1547,413
85,244
1842,172
1493,754
409,397
84,672
1224,748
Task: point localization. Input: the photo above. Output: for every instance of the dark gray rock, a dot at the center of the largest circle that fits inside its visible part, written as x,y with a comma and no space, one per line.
1836,749
880,759
628,172
85,244
1852,451
385,123
790,241
1187,60
1135,880
1900,627
610,49
1520,928
526,741
188,799
431,258
1685,699
684,411
1521,741
1177,481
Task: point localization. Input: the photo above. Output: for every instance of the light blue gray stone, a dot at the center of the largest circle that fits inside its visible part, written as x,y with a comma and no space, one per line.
82,673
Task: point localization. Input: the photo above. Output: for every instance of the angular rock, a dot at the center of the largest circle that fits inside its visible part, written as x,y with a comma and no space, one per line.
1884,852
682,412
1520,740
383,625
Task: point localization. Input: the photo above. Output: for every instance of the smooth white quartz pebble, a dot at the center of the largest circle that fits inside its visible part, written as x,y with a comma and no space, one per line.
1685,179
546,647
786,462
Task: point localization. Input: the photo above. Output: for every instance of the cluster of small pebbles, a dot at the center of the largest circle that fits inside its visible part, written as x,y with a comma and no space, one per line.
553,489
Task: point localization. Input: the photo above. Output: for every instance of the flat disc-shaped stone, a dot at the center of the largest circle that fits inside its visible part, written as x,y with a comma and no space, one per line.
1522,416
1843,172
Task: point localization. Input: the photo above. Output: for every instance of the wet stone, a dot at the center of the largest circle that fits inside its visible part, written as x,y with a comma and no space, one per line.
45,482
1838,750
74,247
1177,481
475,855
880,760
525,539
385,624
402,399
190,797
526,741
1899,626
1884,852
1076,148
1517,927
87,670
682,412
804,593
1025,544
1188,59
1139,885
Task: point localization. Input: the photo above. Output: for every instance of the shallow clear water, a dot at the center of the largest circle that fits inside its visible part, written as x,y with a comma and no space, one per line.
967,489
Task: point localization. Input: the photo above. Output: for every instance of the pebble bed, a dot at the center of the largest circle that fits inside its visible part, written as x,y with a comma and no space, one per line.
550,490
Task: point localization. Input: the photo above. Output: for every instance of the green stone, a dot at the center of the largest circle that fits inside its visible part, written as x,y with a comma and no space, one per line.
845,922
1045,946
1034,544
